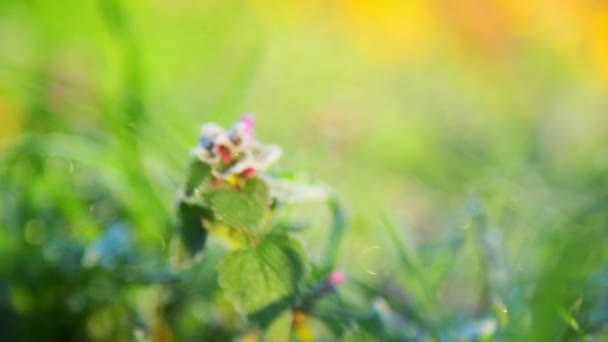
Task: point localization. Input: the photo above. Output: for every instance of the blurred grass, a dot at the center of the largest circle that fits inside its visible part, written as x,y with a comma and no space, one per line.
467,138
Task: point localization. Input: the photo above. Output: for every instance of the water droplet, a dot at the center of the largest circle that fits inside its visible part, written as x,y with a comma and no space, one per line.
372,260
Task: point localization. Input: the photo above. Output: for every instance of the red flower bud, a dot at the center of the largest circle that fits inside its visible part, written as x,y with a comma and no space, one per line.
248,172
225,153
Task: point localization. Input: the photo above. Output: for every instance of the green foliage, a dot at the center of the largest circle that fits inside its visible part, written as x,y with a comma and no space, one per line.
476,195
197,179
264,278
268,272
241,208
192,228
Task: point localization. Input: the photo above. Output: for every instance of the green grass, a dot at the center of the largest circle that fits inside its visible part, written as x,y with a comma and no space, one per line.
475,189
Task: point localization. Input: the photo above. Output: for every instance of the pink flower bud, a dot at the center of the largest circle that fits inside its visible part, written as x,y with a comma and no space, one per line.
216,182
248,172
336,278
248,123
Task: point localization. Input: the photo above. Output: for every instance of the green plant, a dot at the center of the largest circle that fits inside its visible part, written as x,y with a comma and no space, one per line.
227,193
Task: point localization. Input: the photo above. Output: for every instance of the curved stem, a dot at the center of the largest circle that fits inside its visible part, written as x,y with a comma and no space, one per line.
335,235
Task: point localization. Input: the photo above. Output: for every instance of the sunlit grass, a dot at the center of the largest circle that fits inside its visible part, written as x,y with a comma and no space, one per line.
466,141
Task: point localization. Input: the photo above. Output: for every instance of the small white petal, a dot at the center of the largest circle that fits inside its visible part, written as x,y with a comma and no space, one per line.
211,129
204,155
265,155
291,192
239,167
222,140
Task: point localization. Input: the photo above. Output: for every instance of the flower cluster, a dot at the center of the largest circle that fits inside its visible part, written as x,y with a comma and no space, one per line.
234,155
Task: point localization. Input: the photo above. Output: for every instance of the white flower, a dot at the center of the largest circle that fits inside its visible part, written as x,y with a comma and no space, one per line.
235,152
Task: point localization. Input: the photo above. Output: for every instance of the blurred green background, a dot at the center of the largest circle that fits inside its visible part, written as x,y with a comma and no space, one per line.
467,140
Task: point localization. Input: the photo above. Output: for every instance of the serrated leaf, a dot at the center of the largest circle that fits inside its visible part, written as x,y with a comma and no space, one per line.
244,208
192,228
269,272
199,173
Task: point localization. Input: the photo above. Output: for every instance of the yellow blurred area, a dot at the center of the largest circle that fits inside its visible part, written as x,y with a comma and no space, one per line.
391,31
598,33
10,121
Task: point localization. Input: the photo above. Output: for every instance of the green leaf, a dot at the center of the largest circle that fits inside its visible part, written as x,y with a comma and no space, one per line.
265,316
267,273
336,233
569,319
192,228
243,208
199,174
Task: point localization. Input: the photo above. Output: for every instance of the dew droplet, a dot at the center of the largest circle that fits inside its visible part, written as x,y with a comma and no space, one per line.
372,260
